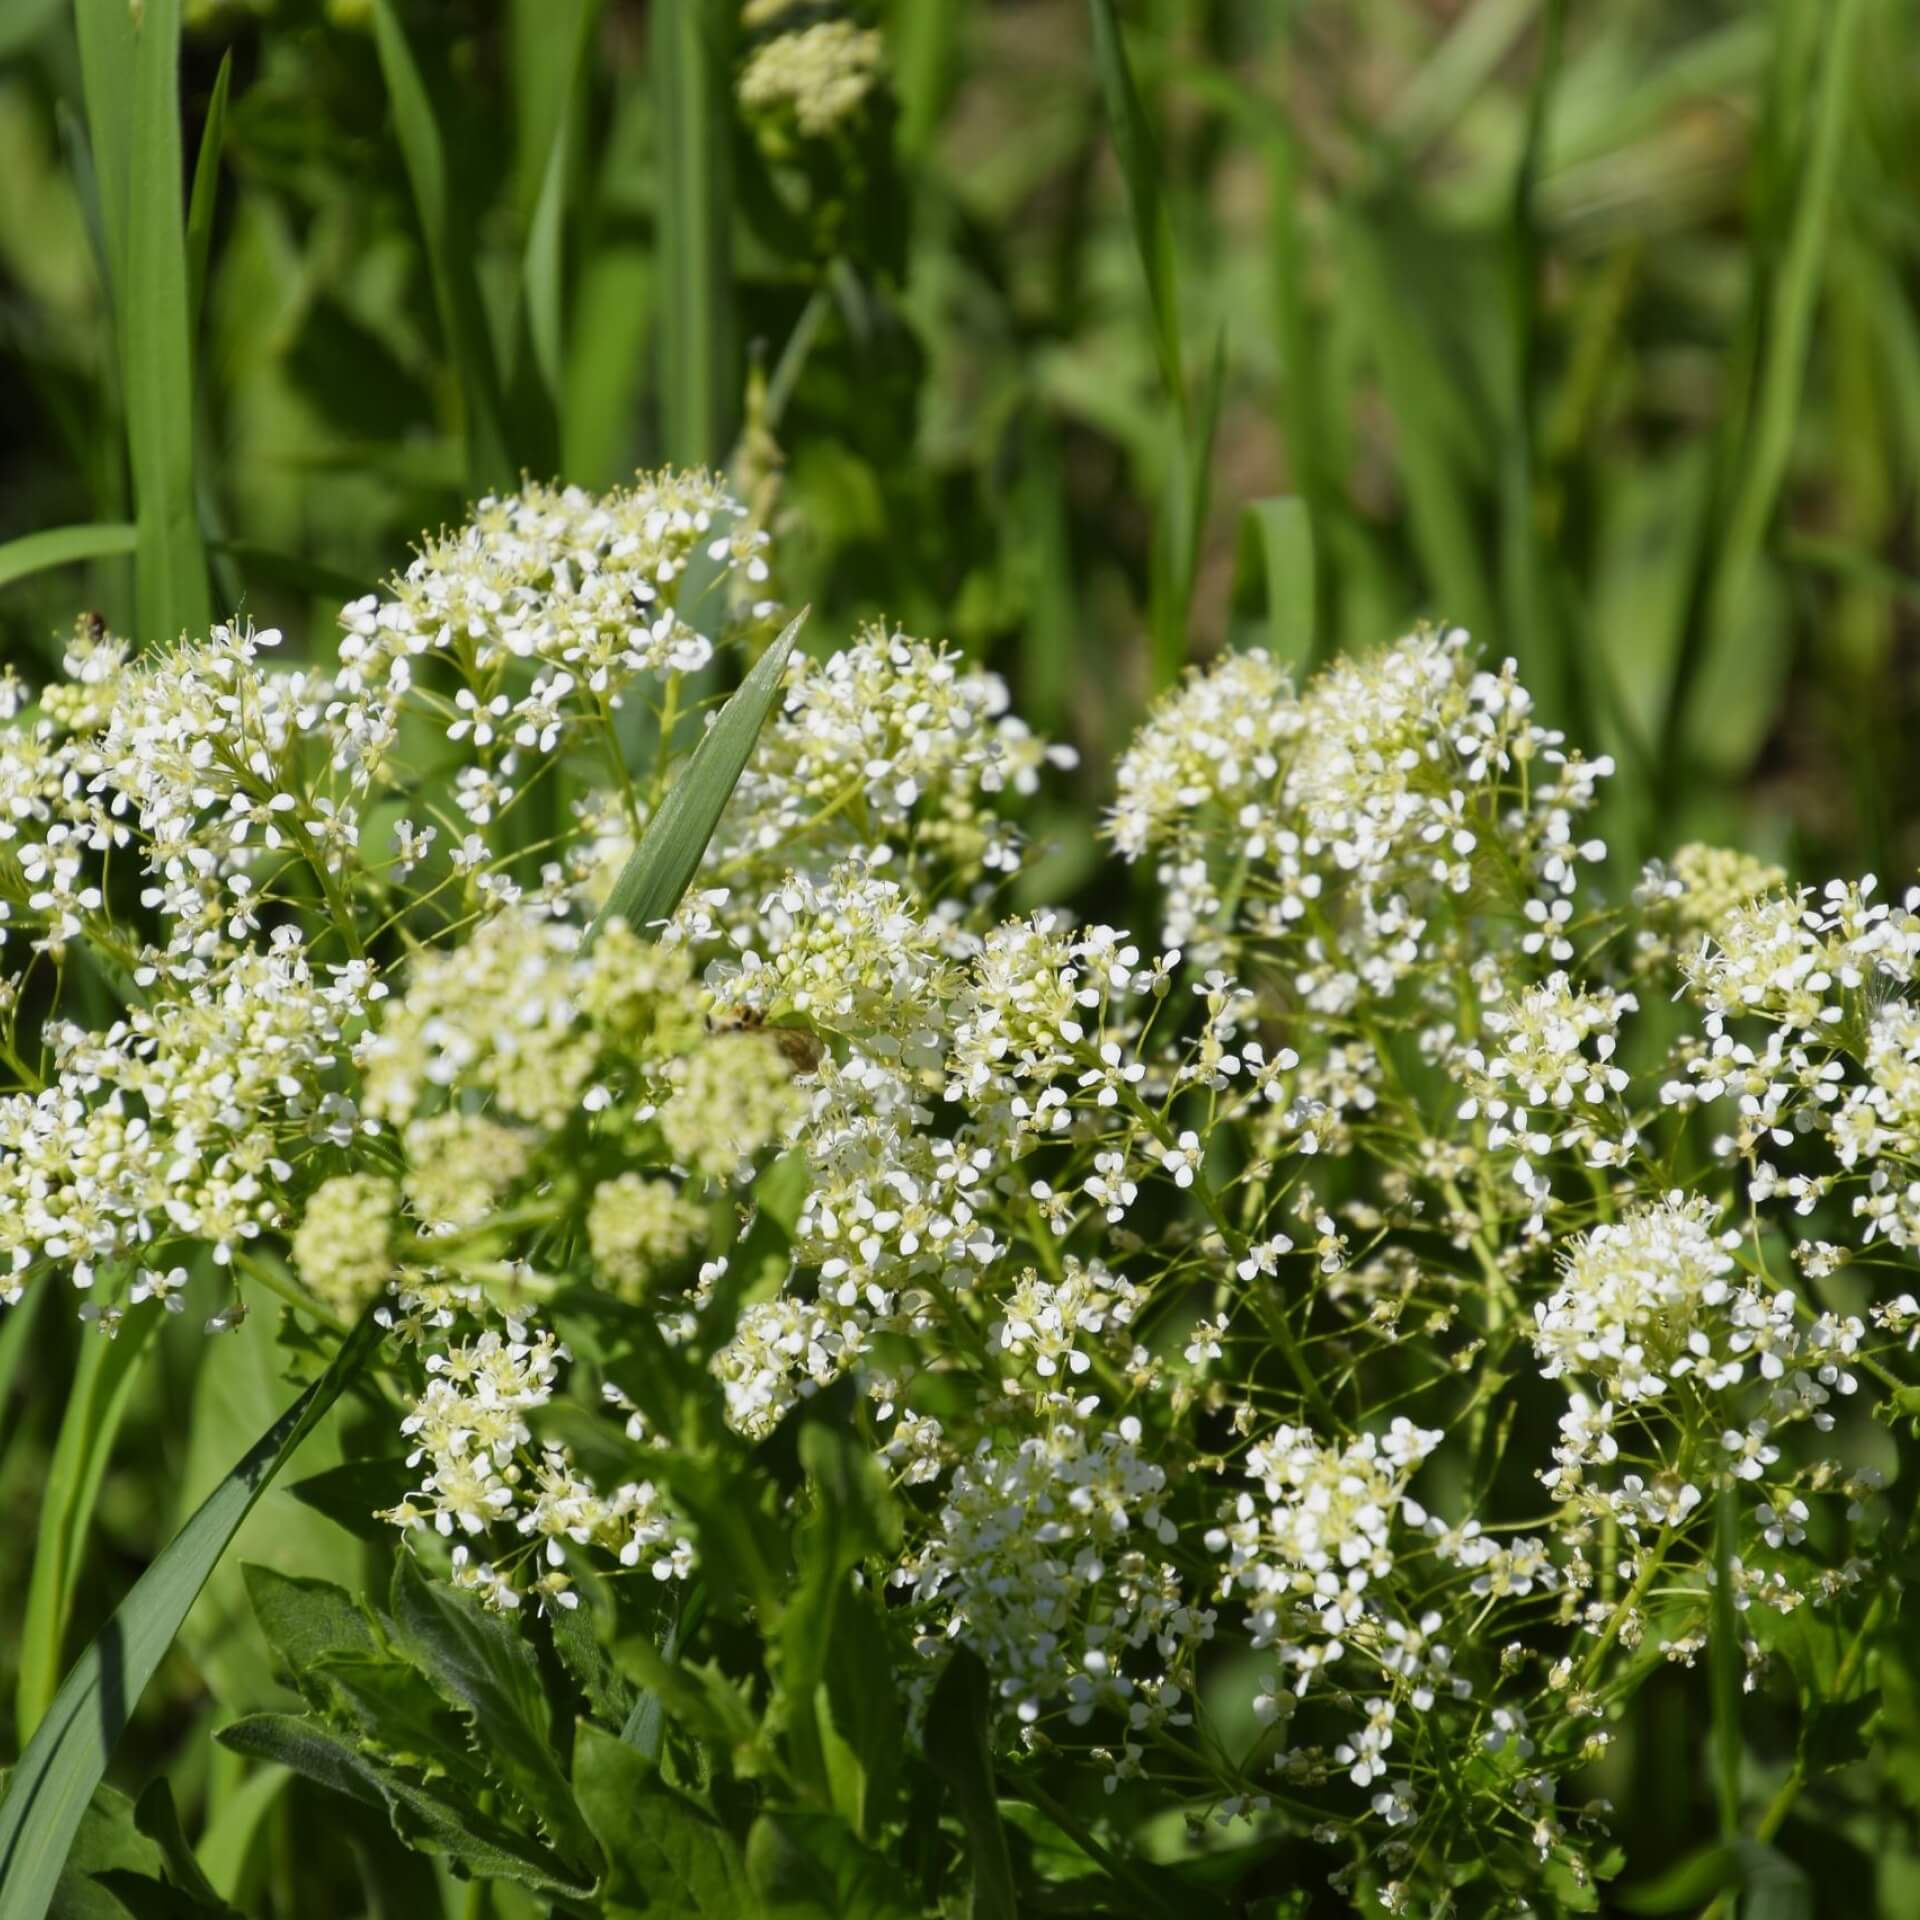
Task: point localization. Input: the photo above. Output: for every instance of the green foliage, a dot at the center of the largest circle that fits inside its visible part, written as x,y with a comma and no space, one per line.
1590,328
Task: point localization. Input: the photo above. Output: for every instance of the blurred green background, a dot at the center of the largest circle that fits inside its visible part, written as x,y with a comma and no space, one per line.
1589,326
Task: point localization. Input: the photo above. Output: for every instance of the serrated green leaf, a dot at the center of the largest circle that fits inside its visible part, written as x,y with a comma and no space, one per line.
316,1752
353,1492
590,1665
306,1622
484,1667
63,1764
660,868
664,1855
958,1751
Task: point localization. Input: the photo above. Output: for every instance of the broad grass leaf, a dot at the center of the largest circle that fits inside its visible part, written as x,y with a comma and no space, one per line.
660,868
48,1794
61,547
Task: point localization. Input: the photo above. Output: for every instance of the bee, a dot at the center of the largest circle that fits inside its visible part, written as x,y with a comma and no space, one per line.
801,1050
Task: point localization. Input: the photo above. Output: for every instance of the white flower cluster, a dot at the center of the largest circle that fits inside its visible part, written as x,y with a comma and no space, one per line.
1339,822
1049,1561
487,1475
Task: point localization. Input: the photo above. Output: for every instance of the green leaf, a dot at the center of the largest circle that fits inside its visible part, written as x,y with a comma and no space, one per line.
542,270
664,1856
228,1841
106,1841
590,1665
155,1815
957,1750
1140,168
484,1667
307,1622
47,1797
1687,1884
61,547
853,1516
693,93
1274,577
353,1492
661,866
809,1866
1788,299
206,189
456,291
1834,1733
440,1825
1726,1662
96,1405
156,349
240,1381
665,1688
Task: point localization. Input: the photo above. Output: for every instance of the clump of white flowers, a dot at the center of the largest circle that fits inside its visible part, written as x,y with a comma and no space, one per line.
1210,1302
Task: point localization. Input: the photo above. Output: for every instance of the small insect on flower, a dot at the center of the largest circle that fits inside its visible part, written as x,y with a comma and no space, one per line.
801,1049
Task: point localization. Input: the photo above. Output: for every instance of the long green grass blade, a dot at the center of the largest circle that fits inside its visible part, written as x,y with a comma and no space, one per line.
60,547
131,75
1183,526
1726,1662
1789,323
699,386
456,291
206,190
96,1405
543,270
68,1755
104,29
1139,157
1275,577
661,866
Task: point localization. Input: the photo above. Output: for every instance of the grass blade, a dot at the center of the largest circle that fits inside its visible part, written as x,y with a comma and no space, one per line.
959,1752
1183,527
206,190
170,561
1726,1662
1789,325
699,390
456,292
96,1405
1275,577
542,272
68,1755
659,869
60,547
1140,167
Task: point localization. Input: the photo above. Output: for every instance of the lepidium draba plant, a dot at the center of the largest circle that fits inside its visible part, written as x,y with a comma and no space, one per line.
894,1401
